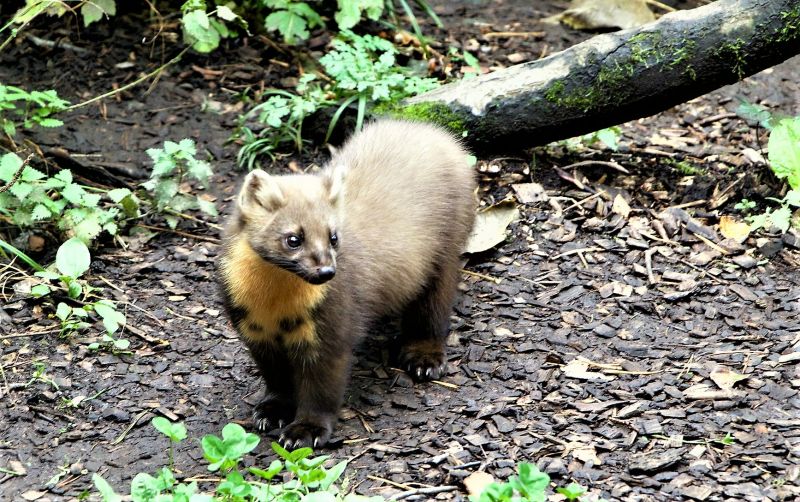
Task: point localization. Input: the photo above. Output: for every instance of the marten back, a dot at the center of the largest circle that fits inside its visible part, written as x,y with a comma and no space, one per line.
408,200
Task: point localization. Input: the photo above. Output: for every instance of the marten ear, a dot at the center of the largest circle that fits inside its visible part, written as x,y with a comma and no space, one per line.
260,188
334,181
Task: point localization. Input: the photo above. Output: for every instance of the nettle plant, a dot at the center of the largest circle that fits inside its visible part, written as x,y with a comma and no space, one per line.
784,161
35,199
362,71
308,479
28,108
173,165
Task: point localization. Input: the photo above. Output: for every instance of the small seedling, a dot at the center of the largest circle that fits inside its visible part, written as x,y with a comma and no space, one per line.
572,491
226,452
530,485
176,432
745,205
39,375
295,476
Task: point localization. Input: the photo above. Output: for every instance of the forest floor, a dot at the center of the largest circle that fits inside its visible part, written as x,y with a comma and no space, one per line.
602,340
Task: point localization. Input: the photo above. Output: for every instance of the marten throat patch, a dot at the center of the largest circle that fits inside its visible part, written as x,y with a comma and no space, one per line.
271,304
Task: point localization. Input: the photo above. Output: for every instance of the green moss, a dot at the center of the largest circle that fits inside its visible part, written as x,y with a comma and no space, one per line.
685,168
436,113
644,50
791,25
733,55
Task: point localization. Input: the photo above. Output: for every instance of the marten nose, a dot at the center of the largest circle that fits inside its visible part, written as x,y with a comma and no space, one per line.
326,273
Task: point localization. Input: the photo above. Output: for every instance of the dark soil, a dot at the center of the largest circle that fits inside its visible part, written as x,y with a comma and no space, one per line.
596,341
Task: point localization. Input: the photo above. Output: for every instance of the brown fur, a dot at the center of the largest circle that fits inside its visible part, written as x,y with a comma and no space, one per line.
399,196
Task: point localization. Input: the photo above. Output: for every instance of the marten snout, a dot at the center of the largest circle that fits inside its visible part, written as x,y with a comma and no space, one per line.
322,274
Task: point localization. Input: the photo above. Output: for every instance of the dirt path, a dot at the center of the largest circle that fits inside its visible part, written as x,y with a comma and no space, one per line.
596,353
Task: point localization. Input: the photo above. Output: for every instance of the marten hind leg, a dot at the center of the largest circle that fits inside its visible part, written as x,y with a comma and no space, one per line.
426,323
278,406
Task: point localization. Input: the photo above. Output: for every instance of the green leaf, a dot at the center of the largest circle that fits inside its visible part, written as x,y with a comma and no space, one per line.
40,290
755,113
198,32
63,311
274,468
784,151
332,475
349,13
21,190
792,198
108,493
781,218
207,207
289,24
226,13
144,487
50,122
175,431
73,193
74,289
572,491
112,319
73,258
87,229
122,344
40,212
319,497
118,194
95,9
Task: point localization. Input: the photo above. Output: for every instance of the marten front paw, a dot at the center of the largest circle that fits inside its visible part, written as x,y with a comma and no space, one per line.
303,433
423,360
272,413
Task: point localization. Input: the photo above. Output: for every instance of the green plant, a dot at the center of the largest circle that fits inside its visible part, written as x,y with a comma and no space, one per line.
91,10
745,205
176,432
40,375
77,210
572,491
18,106
530,485
172,166
203,30
292,19
362,71
72,261
309,480
784,160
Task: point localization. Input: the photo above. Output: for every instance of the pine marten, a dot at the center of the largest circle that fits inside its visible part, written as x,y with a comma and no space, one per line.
310,261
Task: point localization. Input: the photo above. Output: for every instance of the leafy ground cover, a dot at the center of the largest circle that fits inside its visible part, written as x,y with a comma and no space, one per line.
617,339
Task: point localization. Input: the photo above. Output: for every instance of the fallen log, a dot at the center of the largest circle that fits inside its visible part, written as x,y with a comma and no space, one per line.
616,77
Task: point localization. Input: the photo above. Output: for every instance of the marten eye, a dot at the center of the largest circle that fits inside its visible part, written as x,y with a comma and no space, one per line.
294,241
334,239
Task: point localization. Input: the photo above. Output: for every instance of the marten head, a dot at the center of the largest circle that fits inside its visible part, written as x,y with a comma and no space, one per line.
292,221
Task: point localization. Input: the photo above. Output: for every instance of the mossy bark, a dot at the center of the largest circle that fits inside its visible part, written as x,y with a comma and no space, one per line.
613,78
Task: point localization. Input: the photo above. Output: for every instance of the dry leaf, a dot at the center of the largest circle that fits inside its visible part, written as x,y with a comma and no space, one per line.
594,14
583,452
528,193
732,228
580,369
703,391
725,378
621,206
477,482
490,227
